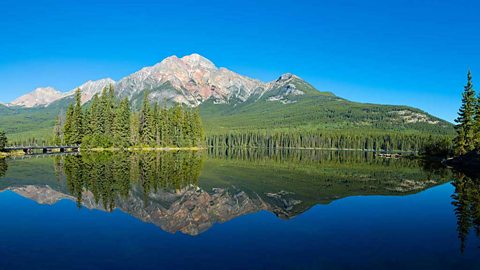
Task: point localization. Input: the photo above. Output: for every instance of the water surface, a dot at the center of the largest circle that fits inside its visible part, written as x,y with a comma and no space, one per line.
238,210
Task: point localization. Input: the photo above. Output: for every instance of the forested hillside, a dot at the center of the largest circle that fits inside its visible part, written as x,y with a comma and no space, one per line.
238,111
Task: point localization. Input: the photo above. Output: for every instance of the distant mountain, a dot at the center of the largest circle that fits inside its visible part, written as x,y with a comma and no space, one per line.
190,80
227,100
39,97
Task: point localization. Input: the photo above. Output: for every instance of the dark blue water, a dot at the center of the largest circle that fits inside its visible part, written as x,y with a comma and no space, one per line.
413,231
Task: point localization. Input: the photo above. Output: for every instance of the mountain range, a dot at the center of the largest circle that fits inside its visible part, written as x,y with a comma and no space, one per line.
228,101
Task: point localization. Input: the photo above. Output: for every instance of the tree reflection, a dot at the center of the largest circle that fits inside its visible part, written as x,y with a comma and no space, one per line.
111,176
466,202
3,167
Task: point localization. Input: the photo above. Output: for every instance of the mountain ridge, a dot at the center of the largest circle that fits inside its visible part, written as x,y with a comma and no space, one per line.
195,79
229,102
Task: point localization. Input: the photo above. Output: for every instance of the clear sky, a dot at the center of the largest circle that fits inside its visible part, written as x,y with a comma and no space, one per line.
392,52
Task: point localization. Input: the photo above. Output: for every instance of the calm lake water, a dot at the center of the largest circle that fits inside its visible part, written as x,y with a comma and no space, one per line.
236,210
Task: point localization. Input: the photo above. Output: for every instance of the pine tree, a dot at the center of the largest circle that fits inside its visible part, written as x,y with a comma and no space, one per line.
3,140
147,128
121,126
156,123
198,133
67,128
465,140
135,129
77,120
477,123
177,125
95,125
58,130
164,123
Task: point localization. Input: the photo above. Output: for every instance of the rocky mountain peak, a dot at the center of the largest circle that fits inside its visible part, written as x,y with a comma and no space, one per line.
285,77
39,97
196,60
90,88
190,80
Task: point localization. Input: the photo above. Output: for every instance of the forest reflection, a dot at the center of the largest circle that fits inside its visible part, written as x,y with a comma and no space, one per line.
3,167
219,185
109,176
466,202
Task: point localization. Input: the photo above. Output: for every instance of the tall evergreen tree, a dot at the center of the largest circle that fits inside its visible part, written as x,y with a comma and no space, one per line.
177,125
121,126
156,123
77,119
67,128
164,123
135,129
95,125
58,130
477,123
198,133
147,123
3,140
465,140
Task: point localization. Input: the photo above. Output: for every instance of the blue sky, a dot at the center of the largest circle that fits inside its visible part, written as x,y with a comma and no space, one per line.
392,52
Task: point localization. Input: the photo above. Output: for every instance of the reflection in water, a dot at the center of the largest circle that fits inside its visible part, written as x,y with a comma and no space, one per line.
466,201
108,177
3,167
191,191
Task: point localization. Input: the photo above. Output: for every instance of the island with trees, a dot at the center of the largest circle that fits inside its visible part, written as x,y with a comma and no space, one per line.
107,122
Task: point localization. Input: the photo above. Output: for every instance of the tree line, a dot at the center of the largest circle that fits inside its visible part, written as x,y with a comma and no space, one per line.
109,122
468,121
3,140
374,141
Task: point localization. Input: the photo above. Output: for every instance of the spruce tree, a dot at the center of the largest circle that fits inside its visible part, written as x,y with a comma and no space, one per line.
67,128
177,125
77,120
198,133
121,126
3,140
465,140
95,125
164,124
147,128
477,123
156,123
58,131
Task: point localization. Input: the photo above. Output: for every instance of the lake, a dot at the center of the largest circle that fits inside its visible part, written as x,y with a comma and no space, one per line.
236,209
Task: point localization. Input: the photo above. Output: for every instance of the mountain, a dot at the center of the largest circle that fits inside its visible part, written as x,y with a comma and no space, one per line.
46,96
39,97
228,102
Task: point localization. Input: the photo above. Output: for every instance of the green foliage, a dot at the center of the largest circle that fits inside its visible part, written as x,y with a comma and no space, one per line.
377,141
466,134
58,137
118,171
147,123
466,201
477,123
121,125
74,128
3,140
442,147
68,127
107,122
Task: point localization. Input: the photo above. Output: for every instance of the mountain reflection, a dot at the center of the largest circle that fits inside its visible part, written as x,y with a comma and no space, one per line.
189,192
